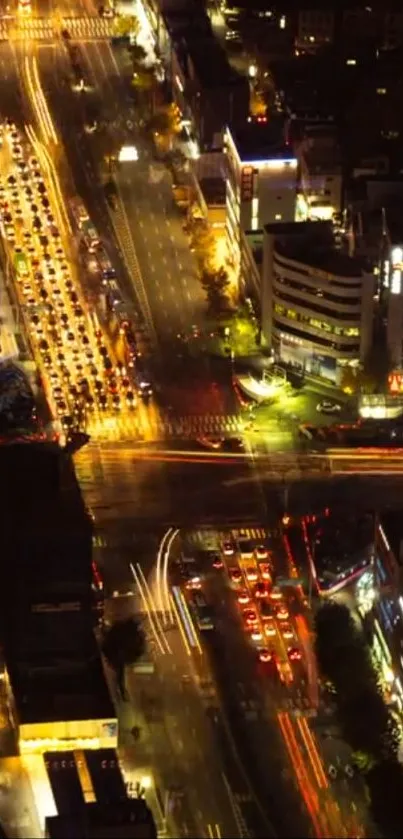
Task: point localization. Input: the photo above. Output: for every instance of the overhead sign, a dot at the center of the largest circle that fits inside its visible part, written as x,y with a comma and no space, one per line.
247,183
395,382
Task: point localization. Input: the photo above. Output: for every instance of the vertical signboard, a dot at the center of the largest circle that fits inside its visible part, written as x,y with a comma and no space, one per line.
247,183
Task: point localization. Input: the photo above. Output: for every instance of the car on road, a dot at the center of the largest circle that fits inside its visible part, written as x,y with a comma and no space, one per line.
265,571
243,597
251,574
265,655
217,562
328,406
193,583
210,442
250,617
286,631
261,552
260,590
233,444
228,548
276,593
282,614
270,629
294,653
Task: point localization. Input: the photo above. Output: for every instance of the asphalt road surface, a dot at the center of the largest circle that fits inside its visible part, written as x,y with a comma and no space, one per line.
167,266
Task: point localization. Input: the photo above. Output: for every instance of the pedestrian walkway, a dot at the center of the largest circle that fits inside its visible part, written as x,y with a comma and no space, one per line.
33,28
126,427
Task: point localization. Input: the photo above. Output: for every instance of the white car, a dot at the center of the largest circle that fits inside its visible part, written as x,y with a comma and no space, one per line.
328,407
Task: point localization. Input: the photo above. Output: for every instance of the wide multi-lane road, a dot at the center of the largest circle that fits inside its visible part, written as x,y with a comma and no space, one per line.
143,231
144,209
168,268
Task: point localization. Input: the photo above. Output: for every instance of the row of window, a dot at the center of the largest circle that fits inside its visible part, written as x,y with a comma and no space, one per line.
316,307
338,283
324,294
315,323
351,349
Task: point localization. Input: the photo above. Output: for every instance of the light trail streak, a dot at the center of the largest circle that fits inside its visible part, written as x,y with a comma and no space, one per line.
37,105
48,168
51,131
307,792
158,572
313,753
186,618
153,606
214,831
56,186
147,609
180,626
165,572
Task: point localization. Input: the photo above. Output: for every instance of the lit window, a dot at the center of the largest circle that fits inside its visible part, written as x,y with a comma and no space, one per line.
351,62
282,22
381,91
255,207
278,217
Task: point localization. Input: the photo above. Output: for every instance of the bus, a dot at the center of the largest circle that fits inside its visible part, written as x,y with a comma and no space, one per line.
90,236
78,212
21,264
201,611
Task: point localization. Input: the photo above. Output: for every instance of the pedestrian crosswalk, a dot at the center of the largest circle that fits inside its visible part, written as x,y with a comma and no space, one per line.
208,538
162,427
254,533
84,28
202,538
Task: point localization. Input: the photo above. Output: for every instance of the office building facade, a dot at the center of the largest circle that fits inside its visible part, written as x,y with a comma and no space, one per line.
317,304
261,186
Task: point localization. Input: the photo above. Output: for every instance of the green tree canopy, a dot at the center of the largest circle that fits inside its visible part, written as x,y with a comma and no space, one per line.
123,644
216,286
164,121
137,54
385,785
343,658
125,25
143,78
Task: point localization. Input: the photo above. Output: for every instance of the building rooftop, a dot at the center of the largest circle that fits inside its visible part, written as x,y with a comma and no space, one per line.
261,141
58,688
311,243
214,191
210,61
45,532
131,818
392,523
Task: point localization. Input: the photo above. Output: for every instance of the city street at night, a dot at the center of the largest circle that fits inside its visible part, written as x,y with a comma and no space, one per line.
195,543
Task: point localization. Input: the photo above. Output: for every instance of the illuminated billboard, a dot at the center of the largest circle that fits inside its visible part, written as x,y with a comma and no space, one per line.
396,267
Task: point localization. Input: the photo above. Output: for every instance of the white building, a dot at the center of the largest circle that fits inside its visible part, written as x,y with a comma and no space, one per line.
261,184
321,181
317,303
393,288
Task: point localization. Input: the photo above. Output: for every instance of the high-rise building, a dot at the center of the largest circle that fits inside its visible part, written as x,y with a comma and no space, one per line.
57,693
261,183
317,303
